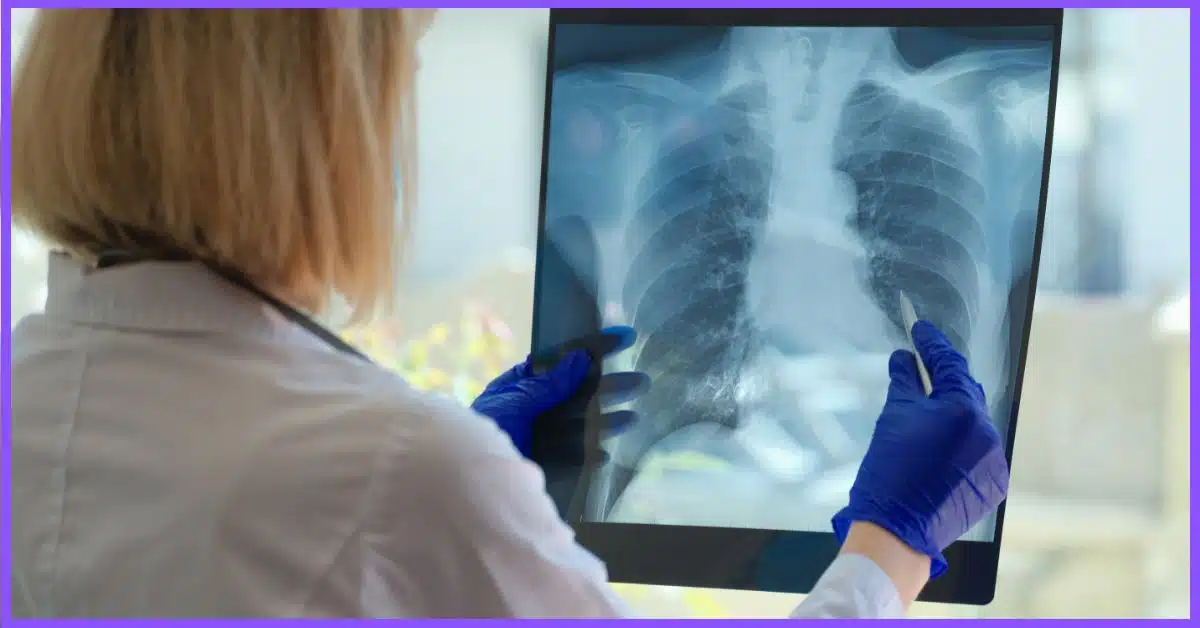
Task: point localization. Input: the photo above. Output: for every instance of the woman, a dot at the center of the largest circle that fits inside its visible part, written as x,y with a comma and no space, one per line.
185,444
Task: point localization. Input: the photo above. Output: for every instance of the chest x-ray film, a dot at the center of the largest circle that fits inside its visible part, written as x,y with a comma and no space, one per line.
751,191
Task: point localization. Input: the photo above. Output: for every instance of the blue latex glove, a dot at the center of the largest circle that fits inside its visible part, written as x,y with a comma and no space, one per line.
935,465
553,382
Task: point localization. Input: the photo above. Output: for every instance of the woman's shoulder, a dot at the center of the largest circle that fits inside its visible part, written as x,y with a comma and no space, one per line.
432,430
423,431
439,463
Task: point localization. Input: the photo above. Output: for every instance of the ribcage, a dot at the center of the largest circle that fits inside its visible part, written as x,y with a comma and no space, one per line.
689,245
918,197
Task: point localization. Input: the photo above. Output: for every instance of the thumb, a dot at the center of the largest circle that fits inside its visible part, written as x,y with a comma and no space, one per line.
902,370
560,382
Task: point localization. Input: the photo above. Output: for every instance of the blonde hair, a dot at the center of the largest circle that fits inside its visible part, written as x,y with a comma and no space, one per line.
264,141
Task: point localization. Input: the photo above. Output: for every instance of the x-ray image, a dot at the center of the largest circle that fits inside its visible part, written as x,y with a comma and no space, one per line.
752,200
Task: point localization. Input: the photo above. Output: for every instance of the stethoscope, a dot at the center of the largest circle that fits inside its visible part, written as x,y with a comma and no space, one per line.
113,258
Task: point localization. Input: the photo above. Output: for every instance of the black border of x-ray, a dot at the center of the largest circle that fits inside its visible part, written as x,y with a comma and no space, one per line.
788,561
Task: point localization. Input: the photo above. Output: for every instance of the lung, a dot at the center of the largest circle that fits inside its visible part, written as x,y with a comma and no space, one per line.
917,202
702,205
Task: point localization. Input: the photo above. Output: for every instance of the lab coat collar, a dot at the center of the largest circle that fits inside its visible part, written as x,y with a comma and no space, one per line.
155,296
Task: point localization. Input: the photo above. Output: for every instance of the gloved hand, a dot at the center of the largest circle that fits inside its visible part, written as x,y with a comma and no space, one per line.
935,465
557,381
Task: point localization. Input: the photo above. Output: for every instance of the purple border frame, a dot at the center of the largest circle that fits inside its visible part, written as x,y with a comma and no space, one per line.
5,156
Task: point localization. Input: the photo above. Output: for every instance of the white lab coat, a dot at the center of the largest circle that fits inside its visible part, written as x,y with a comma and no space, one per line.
180,450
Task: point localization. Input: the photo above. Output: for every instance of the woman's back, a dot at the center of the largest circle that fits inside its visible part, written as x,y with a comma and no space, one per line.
179,451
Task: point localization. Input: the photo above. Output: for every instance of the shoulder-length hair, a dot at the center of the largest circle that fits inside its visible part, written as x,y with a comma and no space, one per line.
264,141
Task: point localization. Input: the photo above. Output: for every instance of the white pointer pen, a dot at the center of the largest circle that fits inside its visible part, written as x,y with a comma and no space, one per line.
909,314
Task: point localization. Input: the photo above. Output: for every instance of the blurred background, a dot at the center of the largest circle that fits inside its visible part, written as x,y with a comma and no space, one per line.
1098,521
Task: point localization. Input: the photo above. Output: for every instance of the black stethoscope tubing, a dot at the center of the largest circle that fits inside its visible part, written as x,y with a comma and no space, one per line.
115,257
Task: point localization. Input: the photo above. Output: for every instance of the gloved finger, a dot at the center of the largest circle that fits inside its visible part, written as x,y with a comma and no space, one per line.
982,399
512,375
618,388
570,428
617,422
555,453
603,343
904,377
947,367
621,338
559,451
557,384
609,390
